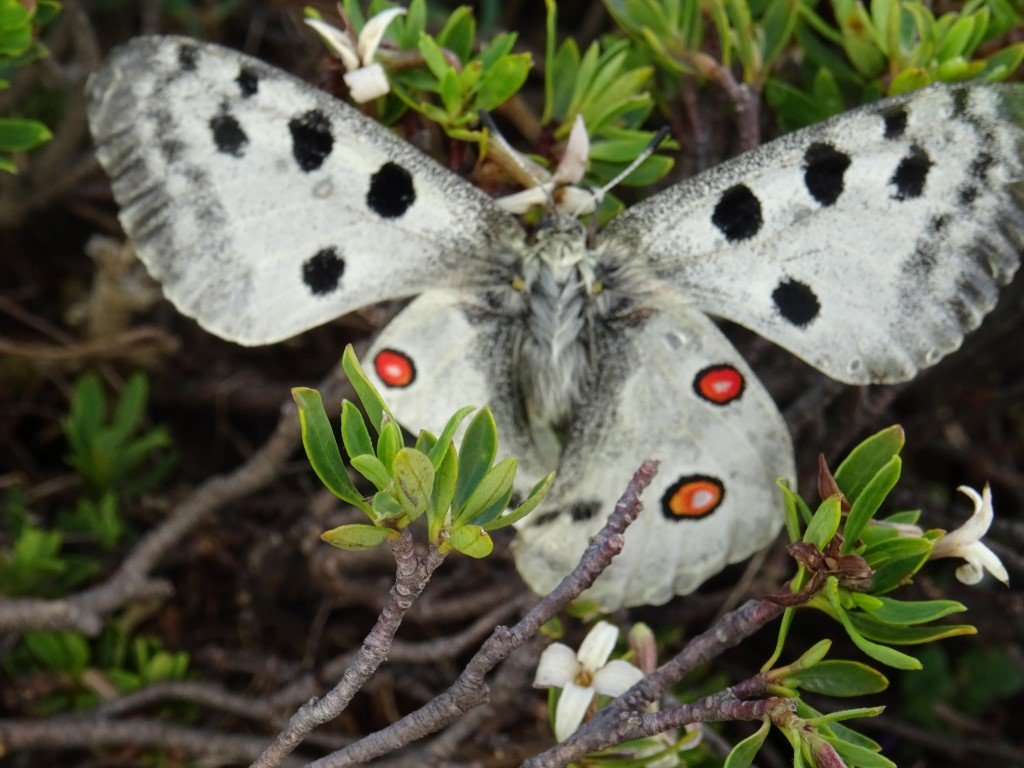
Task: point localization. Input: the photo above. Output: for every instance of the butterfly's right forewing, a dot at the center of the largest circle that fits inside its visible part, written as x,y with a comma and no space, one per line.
266,207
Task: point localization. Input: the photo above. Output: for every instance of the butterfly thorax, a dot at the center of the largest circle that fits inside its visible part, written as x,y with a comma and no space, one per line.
554,355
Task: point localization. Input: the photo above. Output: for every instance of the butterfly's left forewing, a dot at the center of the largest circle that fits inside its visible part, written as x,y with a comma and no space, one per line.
670,387
263,205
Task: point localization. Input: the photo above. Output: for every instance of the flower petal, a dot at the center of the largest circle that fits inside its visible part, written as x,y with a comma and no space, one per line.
573,164
572,706
557,667
616,677
575,201
990,561
374,30
521,202
339,41
367,83
597,646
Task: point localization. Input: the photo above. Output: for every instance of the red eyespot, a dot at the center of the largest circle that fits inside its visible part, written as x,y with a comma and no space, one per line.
719,384
394,368
692,496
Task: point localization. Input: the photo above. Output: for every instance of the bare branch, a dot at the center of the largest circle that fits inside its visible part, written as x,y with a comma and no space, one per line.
470,689
411,577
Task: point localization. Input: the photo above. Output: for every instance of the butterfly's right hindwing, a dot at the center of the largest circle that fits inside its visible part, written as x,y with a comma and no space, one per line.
266,207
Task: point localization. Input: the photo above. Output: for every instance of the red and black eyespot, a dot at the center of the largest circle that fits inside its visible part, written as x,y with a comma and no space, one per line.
692,497
719,384
396,369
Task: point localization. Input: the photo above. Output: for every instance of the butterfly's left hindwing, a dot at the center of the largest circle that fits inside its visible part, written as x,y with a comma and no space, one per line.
669,387
265,206
868,244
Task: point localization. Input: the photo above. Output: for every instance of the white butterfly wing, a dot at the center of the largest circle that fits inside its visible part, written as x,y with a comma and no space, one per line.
447,350
265,206
676,390
868,245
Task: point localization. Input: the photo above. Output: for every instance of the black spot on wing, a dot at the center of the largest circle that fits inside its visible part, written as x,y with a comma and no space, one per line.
545,518
738,214
967,194
961,97
824,167
322,272
248,82
796,302
939,222
391,191
170,150
911,174
228,135
981,165
582,511
895,123
312,140
188,57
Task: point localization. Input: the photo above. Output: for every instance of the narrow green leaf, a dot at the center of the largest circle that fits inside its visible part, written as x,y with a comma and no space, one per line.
859,756
743,754
433,56
906,612
373,403
22,135
445,479
895,634
472,540
414,481
389,442
130,407
442,443
385,506
356,537
322,447
354,433
784,625
476,454
910,79
888,656
868,501
823,526
502,80
370,467
840,678
495,484
458,33
537,494
865,461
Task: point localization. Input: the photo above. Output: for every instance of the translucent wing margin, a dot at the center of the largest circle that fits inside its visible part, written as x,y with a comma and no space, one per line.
265,206
868,245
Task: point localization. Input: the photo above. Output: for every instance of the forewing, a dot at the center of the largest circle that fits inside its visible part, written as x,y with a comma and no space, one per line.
672,389
868,245
265,206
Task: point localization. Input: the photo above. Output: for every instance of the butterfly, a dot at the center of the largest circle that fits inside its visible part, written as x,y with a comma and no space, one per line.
867,245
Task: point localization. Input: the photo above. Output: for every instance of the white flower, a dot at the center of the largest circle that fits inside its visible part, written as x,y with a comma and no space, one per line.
366,80
559,188
584,674
965,541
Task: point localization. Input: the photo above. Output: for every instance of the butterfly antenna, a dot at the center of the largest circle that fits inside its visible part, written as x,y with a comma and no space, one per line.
524,170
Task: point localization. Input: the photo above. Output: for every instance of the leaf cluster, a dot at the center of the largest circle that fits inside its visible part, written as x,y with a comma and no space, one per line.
19,23
462,493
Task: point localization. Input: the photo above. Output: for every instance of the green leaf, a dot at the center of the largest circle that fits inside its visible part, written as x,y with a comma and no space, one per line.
1001,65
537,494
778,24
910,79
823,526
868,501
865,461
743,754
476,454
472,540
322,447
130,408
888,656
373,403
894,634
907,612
388,443
373,469
354,433
445,478
797,513
495,484
414,481
386,507
443,442
854,713
356,537
433,56
502,80
859,756
22,135
840,678
458,33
